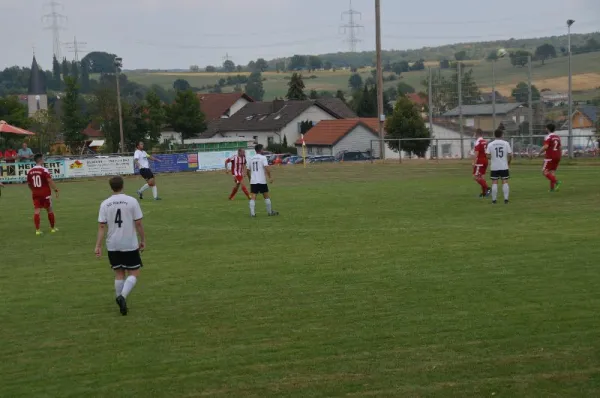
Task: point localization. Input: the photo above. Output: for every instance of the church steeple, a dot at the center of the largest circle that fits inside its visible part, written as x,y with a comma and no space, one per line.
37,98
37,80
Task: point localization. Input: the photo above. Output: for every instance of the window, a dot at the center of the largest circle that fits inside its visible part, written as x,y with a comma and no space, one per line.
255,138
446,150
319,150
269,140
299,124
434,151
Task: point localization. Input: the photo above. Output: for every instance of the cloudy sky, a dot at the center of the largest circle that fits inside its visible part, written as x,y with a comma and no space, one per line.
178,33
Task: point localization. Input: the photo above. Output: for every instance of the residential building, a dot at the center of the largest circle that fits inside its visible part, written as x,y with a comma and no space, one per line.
554,98
331,137
488,98
481,116
271,122
37,96
584,117
216,106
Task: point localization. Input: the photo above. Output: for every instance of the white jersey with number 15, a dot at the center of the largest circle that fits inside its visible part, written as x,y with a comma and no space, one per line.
257,165
499,151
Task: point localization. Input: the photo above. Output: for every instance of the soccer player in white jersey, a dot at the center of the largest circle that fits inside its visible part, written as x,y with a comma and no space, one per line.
258,171
140,157
500,153
120,219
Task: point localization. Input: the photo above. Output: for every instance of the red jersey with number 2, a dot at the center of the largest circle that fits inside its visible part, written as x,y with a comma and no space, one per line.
554,148
37,178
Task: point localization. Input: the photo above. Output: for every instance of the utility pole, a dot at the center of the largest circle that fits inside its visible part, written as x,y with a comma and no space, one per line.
380,111
530,102
74,47
569,23
494,95
56,23
118,66
351,28
460,111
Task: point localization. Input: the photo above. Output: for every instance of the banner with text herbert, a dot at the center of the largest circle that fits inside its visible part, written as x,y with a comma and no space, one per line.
17,172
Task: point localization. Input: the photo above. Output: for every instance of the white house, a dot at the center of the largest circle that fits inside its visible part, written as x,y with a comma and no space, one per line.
445,144
331,137
274,122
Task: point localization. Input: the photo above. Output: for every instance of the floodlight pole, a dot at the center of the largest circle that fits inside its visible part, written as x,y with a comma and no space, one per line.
494,95
569,23
380,110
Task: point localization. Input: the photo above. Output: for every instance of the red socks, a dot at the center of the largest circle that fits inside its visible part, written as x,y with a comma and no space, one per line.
51,219
484,186
36,221
235,189
552,179
246,191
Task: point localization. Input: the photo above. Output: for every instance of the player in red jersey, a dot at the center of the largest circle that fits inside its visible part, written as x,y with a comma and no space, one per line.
552,151
480,164
238,169
41,184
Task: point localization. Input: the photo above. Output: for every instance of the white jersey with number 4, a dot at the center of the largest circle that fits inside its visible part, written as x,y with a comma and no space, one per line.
142,158
498,151
257,164
119,213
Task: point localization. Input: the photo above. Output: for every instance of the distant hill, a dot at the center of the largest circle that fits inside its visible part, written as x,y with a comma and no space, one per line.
474,51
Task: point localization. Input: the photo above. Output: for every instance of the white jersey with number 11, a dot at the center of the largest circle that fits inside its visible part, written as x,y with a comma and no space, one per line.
257,166
498,151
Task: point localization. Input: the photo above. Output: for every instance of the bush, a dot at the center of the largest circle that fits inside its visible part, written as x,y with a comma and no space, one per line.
280,148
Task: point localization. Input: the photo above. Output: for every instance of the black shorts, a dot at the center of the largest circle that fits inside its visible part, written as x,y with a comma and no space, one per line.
125,260
500,175
259,188
146,174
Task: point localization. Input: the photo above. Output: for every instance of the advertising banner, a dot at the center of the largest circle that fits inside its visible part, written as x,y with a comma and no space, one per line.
17,172
95,167
208,161
174,163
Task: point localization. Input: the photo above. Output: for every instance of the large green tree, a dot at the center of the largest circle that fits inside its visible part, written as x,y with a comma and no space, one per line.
519,57
355,82
314,62
445,92
521,92
185,115
73,119
75,70
254,88
261,65
544,52
296,88
229,66
100,62
297,62
85,77
406,122
181,85
65,69
12,111
155,116
46,126
56,74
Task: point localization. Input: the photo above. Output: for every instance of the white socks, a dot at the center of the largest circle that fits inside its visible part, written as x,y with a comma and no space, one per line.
146,186
155,192
128,286
268,204
119,286
505,189
494,192
252,207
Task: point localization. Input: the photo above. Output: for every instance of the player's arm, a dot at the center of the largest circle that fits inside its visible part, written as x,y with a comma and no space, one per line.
488,152
268,172
136,159
544,149
227,161
510,154
53,186
140,230
100,238
153,159
248,173
475,157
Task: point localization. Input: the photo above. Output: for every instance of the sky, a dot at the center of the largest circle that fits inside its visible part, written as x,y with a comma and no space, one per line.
168,34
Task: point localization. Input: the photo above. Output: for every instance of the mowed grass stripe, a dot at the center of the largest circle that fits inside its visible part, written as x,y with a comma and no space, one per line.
381,280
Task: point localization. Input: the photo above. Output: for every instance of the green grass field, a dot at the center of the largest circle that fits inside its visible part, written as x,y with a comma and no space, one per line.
552,75
376,280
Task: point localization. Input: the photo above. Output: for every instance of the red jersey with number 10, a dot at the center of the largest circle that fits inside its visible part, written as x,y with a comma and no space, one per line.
37,178
480,147
553,146
237,165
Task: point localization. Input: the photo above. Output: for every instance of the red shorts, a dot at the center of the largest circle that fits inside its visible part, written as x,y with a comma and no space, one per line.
551,164
42,202
238,179
480,169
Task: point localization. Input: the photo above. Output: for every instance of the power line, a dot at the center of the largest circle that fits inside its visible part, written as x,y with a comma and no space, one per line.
244,47
75,47
351,28
55,21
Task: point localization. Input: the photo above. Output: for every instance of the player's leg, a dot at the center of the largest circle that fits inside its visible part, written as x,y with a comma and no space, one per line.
36,219
494,186
140,191
152,183
547,170
244,189
119,281
252,202
130,282
236,187
268,203
505,189
51,217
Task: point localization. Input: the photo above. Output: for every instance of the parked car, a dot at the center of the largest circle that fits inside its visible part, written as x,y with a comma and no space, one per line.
278,158
353,156
291,159
323,159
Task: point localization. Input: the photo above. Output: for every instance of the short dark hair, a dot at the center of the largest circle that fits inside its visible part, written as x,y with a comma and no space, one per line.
479,132
498,133
258,148
551,127
116,183
138,144
38,157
